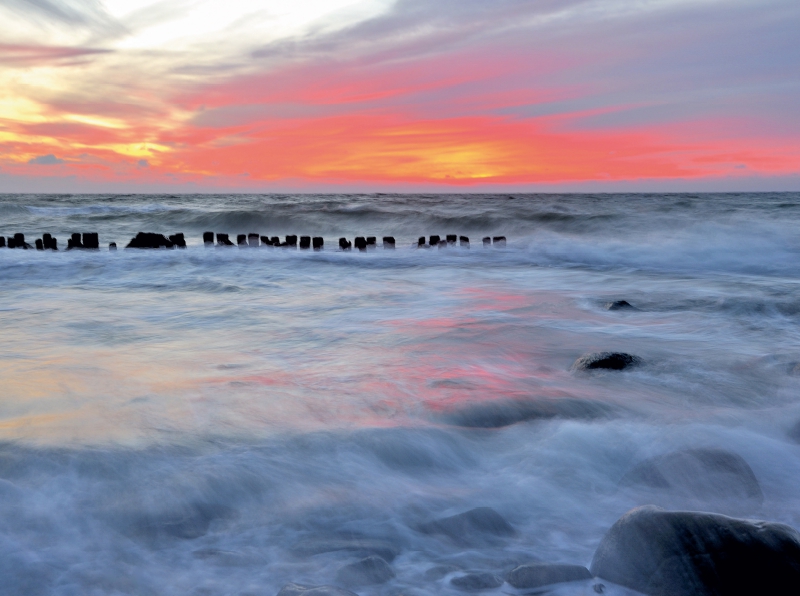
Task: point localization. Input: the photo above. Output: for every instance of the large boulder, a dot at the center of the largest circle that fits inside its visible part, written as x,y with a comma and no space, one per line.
537,575
681,553
505,412
300,590
606,360
366,572
471,527
697,473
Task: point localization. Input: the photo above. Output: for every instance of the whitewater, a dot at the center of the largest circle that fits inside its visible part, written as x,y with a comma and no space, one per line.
225,421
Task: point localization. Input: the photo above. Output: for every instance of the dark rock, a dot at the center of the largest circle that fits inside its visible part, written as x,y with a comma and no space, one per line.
501,413
366,572
39,244
19,241
305,242
208,238
91,240
149,240
241,240
434,241
291,240
223,240
439,571
360,243
619,305
344,244
464,241
499,240
360,547
606,360
451,239
475,582
421,242
681,553
112,246
544,574
300,590
388,242
700,473
471,527
317,242
487,241
178,240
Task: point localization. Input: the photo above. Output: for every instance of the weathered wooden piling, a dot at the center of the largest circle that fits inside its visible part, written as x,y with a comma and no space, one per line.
487,241
19,241
421,242
2,241
178,240
223,240
91,240
434,240
275,241
74,241
388,242
499,240
112,246
344,244
39,244
372,242
291,241
305,242
451,239
208,239
252,239
464,241
317,242
360,243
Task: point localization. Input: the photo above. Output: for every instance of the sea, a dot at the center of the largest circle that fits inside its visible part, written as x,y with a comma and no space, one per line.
225,421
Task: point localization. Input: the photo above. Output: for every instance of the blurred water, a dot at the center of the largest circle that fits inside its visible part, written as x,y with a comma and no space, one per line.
177,422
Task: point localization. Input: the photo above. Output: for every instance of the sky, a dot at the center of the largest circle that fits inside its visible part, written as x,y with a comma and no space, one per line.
372,95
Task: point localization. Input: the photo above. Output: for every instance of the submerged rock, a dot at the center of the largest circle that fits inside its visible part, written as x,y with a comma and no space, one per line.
300,590
358,547
185,523
437,572
473,526
606,360
699,473
619,305
366,572
681,553
543,574
475,582
501,413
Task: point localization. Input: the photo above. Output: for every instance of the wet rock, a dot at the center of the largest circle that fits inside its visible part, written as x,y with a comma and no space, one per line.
607,361
543,574
344,244
187,523
487,241
501,413
149,240
618,305
388,242
699,473
439,571
471,527
317,242
357,546
434,241
464,241
499,240
300,590
208,238
223,240
366,572
681,553
91,240
475,582
305,242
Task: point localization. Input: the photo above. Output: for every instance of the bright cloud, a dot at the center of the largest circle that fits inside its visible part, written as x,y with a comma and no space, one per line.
380,92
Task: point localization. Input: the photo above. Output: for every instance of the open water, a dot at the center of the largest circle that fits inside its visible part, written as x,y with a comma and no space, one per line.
205,421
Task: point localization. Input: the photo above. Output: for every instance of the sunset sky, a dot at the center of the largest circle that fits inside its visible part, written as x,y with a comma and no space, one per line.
215,95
